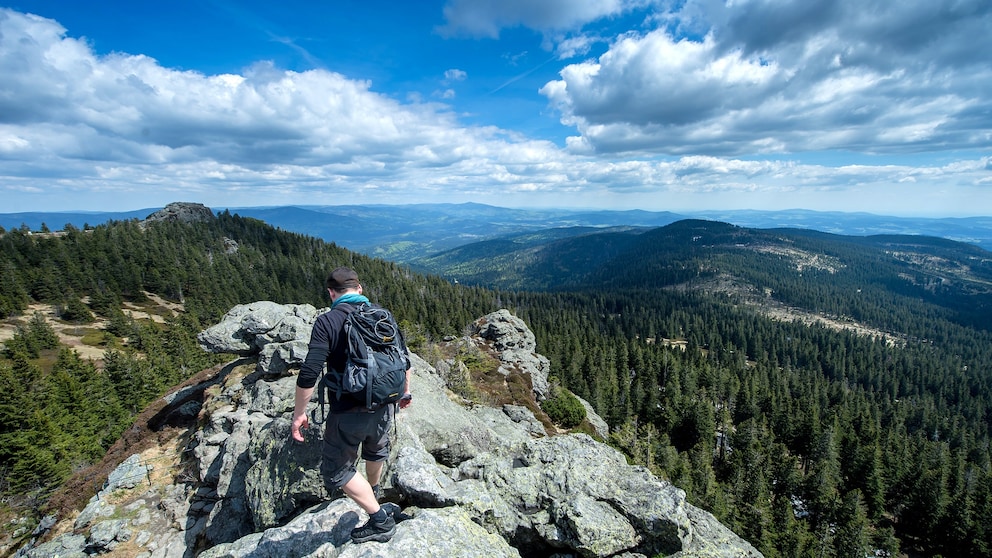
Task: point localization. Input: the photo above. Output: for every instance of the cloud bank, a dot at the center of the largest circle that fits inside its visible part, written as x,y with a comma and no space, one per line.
694,107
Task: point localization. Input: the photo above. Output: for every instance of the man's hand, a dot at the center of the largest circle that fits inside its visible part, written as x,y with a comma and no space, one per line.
299,423
405,401
300,420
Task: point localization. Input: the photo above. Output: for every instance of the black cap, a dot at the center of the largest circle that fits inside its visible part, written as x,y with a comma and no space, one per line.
342,278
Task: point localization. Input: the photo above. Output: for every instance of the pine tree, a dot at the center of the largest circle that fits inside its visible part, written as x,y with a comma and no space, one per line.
752,499
853,538
823,486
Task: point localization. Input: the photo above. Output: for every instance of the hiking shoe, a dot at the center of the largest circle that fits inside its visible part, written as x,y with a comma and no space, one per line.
373,531
394,511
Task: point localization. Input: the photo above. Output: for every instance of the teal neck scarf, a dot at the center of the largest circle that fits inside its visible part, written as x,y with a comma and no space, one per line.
350,298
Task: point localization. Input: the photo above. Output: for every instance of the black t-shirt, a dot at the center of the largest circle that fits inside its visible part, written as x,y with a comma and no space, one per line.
329,345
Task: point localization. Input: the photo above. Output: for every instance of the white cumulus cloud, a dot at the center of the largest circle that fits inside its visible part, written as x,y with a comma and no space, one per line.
781,76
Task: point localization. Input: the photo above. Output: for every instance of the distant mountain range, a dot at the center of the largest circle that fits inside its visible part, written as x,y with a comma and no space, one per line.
404,233
691,249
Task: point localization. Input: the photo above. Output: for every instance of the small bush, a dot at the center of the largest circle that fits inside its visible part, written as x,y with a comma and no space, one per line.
564,409
73,310
476,361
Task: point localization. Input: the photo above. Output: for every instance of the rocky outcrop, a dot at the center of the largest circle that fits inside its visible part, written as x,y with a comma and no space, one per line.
464,480
184,212
514,344
277,333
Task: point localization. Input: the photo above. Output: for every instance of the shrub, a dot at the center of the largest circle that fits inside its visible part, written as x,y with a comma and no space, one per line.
73,310
564,409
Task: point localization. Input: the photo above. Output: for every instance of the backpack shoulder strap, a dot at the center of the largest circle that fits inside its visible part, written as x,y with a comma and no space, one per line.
347,307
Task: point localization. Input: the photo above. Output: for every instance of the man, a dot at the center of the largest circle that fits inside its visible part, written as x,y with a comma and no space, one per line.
349,423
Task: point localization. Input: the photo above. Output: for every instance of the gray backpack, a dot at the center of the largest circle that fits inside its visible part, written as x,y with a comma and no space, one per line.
375,370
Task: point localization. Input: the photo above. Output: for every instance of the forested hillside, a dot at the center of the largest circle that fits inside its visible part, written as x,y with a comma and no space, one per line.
808,440
821,394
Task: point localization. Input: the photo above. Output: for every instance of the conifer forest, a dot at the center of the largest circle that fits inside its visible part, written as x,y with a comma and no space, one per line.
806,440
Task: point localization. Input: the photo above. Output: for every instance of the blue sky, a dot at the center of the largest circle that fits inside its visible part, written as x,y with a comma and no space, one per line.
846,105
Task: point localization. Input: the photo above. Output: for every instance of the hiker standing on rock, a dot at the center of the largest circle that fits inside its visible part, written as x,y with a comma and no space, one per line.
350,421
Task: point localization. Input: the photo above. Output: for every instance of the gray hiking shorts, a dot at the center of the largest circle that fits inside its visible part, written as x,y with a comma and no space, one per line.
343,434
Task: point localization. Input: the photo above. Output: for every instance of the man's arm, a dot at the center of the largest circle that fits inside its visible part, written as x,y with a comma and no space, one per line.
300,419
313,366
405,402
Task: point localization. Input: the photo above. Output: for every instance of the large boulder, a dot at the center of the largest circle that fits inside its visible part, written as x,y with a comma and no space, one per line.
277,333
324,531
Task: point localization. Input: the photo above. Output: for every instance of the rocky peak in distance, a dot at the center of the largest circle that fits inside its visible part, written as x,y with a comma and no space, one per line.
184,212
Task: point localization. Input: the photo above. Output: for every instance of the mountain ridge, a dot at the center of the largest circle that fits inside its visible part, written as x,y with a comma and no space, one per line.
403,232
693,249
474,479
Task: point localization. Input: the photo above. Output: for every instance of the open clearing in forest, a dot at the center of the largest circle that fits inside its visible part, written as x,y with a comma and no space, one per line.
765,304
72,335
